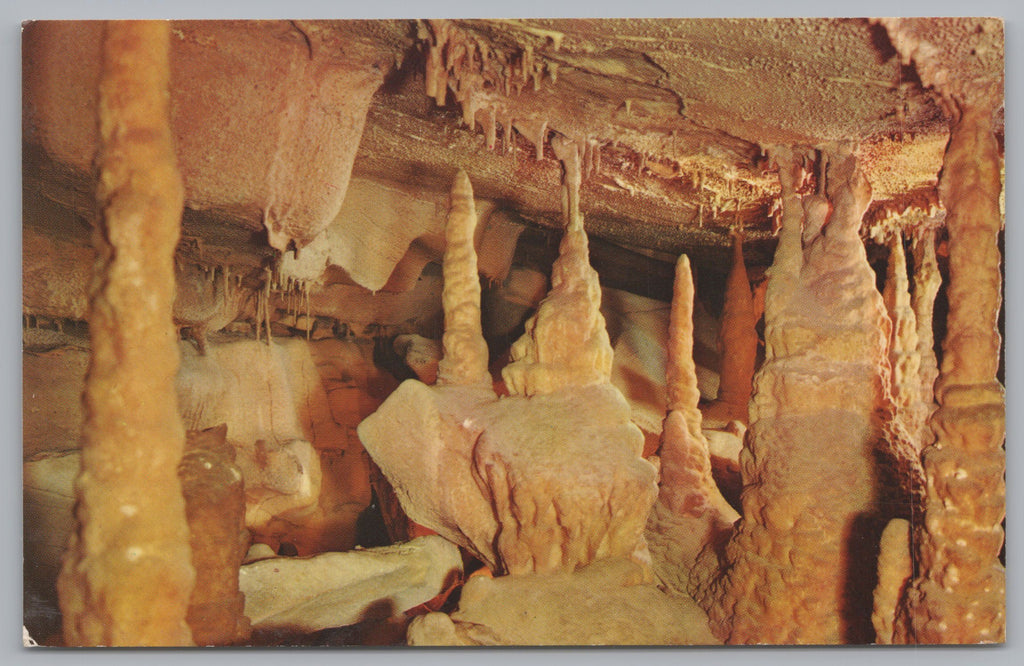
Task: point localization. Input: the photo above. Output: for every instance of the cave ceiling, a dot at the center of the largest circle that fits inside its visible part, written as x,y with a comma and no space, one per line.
675,120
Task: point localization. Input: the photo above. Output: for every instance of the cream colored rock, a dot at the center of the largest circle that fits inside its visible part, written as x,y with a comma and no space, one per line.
605,603
566,342
282,480
339,589
423,439
565,476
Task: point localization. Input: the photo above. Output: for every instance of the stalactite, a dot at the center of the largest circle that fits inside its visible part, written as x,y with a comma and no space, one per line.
959,594
737,342
690,511
127,576
465,351
793,570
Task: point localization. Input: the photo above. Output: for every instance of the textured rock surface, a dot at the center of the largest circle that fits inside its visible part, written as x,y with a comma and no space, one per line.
959,594
491,474
565,476
215,510
566,342
605,603
421,354
895,569
304,595
128,574
464,361
791,571
690,512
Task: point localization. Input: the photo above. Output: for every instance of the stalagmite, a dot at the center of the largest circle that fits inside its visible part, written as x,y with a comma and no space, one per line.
927,281
793,570
215,508
128,576
737,343
959,594
895,569
566,343
465,351
690,511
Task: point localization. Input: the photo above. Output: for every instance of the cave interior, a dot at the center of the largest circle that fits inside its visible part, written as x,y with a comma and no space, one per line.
533,331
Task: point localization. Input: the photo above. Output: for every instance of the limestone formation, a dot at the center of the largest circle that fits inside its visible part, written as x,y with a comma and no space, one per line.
421,354
690,512
909,411
566,343
464,361
605,603
282,480
959,593
490,474
895,569
215,510
737,343
128,576
303,595
789,573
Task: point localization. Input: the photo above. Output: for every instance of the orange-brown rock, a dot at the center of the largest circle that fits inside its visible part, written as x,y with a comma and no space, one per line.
959,593
215,510
790,570
127,577
737,343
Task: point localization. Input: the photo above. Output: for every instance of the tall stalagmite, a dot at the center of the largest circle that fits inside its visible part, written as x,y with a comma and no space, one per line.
127,575
959,595
690,511
927,282
566,342
465,350
737,342
795,567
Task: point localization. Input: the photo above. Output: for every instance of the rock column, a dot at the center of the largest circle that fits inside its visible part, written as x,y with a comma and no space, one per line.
795,568
127,576
959,595
465,350
690,511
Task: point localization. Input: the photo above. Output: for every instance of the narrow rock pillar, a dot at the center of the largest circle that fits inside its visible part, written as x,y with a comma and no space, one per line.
690,511
128,575
465,350
959,595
